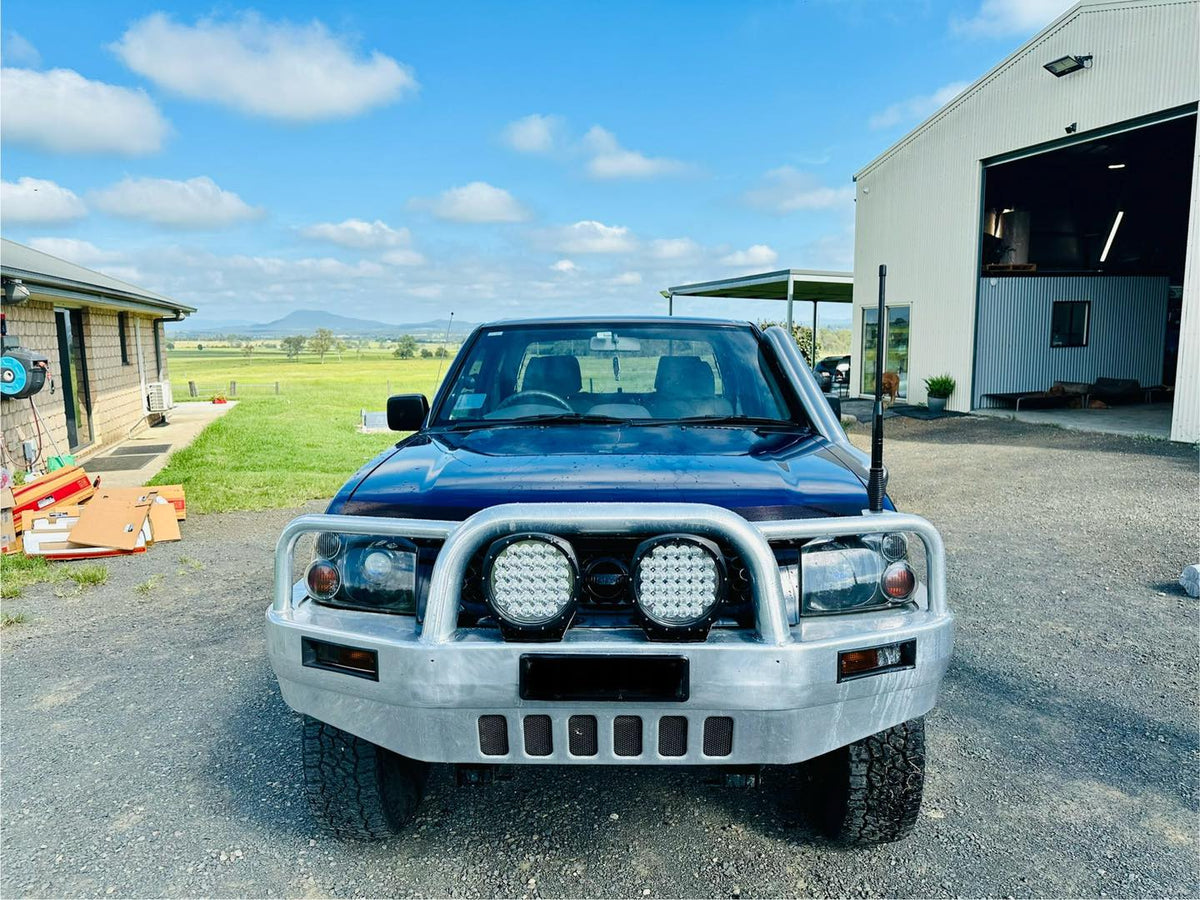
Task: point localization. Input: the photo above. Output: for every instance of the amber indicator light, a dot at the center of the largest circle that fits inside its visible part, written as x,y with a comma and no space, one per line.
876,660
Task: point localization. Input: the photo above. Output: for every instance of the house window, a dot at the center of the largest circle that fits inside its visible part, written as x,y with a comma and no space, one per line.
1069,323
123,332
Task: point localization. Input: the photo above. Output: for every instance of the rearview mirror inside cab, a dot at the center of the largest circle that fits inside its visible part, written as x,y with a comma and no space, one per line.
606,341
407,412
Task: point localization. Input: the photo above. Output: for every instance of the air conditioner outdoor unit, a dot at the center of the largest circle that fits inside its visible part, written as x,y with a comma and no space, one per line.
160,396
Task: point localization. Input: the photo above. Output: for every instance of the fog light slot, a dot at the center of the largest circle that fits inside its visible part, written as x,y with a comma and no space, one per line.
876,660
357,661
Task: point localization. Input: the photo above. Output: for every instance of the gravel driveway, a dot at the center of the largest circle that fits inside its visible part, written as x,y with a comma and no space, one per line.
146,750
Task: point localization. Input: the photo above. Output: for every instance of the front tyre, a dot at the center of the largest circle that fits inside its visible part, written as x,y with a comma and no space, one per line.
870,791
357,789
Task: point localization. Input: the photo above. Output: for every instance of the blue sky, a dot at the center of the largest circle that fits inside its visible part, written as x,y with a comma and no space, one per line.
400,160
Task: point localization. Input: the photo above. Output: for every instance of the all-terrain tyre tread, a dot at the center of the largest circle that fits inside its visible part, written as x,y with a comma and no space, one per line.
884,778
356,789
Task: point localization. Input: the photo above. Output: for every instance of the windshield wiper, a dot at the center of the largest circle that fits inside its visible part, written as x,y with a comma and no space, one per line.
746,421
563,418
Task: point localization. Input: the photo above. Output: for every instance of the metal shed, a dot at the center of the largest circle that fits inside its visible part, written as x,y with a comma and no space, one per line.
987,276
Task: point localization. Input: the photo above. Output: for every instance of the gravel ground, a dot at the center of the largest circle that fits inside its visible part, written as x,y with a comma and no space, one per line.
146,750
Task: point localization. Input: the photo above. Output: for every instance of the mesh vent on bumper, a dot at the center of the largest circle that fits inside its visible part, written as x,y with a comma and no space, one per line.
583,734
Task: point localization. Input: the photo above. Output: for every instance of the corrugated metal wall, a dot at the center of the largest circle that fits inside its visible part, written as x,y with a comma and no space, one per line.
918,205
1126,331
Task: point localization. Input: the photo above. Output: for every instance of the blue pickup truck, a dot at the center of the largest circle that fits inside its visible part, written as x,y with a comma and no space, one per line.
614,542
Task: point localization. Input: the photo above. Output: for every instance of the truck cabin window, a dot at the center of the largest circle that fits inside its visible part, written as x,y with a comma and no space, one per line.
622,372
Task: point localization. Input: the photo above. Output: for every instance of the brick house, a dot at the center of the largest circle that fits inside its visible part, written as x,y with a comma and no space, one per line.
104,339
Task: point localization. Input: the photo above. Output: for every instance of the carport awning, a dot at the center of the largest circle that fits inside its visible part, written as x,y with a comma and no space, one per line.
786,284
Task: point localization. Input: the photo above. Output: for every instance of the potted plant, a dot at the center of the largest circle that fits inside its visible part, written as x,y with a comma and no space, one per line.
937,389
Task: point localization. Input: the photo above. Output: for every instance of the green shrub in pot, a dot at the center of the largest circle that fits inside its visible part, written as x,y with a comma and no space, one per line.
937,389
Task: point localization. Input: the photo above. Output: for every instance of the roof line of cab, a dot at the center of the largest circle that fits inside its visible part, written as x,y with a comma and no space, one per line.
617,320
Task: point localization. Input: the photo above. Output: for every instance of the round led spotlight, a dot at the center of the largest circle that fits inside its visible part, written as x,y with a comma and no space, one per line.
678,580
531,581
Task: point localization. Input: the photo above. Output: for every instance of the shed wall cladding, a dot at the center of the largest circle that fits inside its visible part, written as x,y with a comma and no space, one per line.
1126,331
116,391
918,205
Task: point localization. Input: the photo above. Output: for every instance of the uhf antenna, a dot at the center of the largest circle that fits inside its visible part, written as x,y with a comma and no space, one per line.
877,479
445,352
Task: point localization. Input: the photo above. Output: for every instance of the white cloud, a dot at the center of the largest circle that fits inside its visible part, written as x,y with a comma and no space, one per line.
63,112
477,202
628,278
1002,18
280,70
18,51
358,234
786,190
533,134
757,255
38,200
593,237
195,203
920,107
610,160
403,256
564,265
83,253
674,249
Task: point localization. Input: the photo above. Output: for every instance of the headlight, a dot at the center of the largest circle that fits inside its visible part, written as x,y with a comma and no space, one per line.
852,574
678,581
531,581
378,574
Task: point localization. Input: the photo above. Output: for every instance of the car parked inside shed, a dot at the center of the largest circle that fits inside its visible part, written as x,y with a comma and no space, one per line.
618,541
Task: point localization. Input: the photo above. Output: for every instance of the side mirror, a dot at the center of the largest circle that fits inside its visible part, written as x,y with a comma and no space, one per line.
407,412
834,401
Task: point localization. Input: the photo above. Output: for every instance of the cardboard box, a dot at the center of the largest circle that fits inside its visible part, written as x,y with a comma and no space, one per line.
26,519
8,526
68,485
115,522
50,536
172,493
164,526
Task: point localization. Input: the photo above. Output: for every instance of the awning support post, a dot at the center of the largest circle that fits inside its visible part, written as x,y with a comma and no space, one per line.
790,292
670,304
813,361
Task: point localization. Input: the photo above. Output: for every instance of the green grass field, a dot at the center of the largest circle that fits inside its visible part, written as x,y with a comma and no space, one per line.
276,451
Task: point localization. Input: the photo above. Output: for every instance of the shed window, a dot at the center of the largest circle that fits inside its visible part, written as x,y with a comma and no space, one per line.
1069,323
123,333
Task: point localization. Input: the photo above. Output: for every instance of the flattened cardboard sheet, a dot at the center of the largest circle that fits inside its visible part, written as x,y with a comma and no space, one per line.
111,522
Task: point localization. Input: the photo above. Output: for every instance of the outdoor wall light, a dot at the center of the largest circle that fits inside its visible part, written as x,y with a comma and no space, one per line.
1116,165
1065,65
15,292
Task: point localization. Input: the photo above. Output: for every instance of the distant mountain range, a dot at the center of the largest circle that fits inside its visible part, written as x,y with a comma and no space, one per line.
306,321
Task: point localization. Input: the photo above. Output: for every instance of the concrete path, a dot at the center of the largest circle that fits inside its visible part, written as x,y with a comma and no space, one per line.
184,424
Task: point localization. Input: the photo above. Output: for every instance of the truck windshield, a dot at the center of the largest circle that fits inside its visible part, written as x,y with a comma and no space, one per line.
651,372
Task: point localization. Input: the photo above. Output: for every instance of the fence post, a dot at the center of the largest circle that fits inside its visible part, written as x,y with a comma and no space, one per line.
192,392
277,388
389,387
233,389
